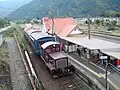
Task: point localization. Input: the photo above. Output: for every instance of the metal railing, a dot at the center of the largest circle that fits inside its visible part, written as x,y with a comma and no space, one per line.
115,68
36,84
35,81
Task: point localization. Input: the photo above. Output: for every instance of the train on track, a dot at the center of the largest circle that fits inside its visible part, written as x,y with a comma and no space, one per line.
50,50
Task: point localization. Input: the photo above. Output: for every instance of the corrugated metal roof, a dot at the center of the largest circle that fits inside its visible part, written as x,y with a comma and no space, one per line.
38,35
91,43
30,31
31,28
57,55
114,52
45,45
27,26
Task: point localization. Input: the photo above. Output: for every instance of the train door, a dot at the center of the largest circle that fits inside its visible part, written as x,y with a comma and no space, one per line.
40,49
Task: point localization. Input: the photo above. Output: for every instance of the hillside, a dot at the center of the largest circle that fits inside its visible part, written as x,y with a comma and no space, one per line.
56,8
8,6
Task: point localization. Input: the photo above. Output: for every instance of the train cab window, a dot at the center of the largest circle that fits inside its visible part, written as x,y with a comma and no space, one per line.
57,49
48,50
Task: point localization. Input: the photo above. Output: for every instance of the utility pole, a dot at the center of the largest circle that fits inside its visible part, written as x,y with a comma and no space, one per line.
53,29
106,70
88,28
106,74
52,26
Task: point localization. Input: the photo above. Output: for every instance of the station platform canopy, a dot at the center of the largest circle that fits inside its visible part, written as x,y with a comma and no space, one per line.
114,52
91,43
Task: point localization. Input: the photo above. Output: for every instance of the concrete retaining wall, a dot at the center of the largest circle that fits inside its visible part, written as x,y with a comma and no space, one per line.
1,39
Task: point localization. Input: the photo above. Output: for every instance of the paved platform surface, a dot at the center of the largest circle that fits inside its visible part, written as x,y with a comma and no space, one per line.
97,72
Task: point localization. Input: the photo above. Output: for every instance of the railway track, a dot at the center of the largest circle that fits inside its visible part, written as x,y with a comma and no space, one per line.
105,35
72,83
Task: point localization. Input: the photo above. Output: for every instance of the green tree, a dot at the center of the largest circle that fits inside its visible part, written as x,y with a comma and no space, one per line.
90,21
97,22
3,22
114,22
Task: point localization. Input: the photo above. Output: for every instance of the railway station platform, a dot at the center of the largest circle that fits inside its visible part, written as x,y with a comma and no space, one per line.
96,71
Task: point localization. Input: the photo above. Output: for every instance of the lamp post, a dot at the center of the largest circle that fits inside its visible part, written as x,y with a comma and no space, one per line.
106,70
106,74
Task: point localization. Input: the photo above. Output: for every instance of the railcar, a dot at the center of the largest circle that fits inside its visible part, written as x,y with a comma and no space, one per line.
55,60
50,51
37,38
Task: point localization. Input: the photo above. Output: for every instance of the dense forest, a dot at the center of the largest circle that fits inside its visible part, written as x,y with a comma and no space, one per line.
4,22
64,8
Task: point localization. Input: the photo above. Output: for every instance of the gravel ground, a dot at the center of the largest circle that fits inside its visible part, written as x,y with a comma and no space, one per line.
5,77
19,76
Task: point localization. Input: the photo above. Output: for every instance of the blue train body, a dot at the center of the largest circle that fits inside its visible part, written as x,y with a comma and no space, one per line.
37,38
39,42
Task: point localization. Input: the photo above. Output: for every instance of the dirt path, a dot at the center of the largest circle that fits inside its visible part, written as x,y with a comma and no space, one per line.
19,77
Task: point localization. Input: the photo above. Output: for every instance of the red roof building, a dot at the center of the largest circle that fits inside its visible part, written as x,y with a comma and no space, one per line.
62,26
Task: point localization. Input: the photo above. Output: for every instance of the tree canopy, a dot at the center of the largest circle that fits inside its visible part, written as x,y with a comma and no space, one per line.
65,8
